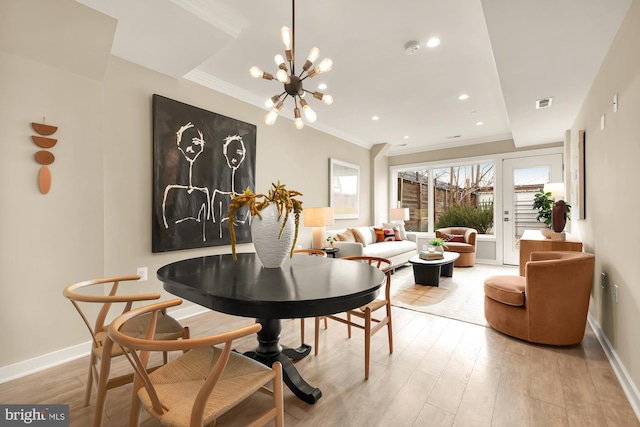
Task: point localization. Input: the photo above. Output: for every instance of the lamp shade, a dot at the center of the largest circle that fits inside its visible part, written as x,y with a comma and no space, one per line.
556,189
318,217
399,214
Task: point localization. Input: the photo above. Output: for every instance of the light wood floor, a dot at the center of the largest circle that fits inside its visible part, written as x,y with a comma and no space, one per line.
443,372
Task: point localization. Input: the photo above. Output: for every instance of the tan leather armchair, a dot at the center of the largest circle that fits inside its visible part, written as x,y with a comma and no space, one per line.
466,249
549,304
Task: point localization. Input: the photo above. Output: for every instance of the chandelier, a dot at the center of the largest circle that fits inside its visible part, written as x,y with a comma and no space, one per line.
292,81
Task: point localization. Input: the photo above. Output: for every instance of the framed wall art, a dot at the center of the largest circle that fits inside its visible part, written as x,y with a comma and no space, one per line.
582,180
200,159
344,189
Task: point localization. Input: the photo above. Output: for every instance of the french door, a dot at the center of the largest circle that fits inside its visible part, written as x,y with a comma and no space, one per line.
522,177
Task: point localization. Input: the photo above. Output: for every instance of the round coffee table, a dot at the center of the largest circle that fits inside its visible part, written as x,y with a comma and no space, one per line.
428,271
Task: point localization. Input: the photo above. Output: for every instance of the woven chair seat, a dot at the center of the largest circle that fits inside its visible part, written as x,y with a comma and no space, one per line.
178,382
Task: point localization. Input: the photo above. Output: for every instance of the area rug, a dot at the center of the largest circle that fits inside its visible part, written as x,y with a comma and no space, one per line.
460,297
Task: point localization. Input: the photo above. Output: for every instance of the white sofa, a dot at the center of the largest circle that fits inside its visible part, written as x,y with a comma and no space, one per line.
398,252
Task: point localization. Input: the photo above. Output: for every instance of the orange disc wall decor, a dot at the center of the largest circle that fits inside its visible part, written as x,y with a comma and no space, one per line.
44,157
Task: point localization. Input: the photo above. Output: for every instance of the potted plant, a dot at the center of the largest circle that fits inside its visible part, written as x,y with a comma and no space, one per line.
543,203
438,243
278,197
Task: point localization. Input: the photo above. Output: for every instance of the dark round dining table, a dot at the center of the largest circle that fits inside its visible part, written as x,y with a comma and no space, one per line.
304,286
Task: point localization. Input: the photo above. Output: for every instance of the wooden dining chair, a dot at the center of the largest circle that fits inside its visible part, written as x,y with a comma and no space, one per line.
310,252
200,385
102,348
368,323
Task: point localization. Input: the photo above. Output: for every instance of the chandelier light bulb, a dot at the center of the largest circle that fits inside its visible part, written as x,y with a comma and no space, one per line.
313,54
327,99
309,114
298,121
283,77
255,72
322,67
272,101
271,117
279,60
285,33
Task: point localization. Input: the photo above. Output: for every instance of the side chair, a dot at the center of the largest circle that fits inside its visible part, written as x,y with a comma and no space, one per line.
200,385
368,323
102,348
310,252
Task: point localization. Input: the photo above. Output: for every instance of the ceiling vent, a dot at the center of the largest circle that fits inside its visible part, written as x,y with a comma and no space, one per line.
543,103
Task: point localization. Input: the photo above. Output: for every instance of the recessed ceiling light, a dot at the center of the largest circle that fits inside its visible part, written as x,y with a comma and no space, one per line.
322,86
463,97
406,137
374,118
479,123
433,42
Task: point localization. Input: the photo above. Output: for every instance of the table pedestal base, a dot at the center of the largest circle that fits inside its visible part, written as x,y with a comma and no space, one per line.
269,351
430,274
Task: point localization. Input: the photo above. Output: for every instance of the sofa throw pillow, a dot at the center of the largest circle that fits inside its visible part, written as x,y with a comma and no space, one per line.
347,236
379,234
364,235
459,238
388,235
403,232
396,233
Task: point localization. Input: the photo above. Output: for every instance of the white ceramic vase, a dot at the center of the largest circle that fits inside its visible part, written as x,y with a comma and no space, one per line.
271,250
433,248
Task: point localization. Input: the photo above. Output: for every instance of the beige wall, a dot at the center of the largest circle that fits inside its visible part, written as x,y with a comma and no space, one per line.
611,229
96,220
47,240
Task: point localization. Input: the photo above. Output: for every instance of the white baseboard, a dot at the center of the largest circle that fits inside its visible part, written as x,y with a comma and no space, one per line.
627,384
487,261
58,357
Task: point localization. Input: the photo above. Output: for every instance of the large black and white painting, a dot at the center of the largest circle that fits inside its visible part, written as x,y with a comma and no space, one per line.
200,159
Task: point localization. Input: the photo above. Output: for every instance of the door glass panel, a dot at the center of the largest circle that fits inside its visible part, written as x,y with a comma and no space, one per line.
526,183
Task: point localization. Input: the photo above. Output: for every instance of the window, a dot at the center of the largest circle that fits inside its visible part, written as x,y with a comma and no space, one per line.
459,194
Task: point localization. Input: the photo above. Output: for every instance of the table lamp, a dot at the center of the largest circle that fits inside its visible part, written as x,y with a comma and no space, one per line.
399,215
318,218
559,211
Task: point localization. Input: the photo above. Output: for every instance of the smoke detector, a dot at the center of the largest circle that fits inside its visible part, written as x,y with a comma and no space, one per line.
411,47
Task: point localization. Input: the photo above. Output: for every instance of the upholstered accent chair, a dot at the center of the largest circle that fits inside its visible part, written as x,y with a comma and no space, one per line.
461,240
549,304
